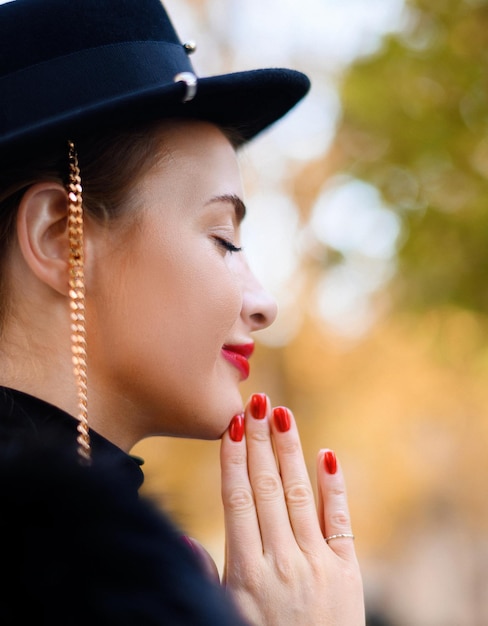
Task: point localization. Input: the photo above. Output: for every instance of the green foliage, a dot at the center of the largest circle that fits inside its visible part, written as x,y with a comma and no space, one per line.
415,125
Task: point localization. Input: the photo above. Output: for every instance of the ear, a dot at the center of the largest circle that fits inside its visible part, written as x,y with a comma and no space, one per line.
42,231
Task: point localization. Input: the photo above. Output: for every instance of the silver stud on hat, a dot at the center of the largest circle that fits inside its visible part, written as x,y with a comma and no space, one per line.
190,47
191,84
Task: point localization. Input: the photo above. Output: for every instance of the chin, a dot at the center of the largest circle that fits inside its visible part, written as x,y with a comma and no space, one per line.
209,421
212,431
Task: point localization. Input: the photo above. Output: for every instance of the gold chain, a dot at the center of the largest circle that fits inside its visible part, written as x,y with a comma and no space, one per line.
77,300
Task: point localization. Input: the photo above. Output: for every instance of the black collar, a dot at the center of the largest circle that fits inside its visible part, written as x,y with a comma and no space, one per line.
23,415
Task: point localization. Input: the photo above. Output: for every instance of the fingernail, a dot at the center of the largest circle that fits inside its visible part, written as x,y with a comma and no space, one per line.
185,539
258,405
236,427
330,462
281,417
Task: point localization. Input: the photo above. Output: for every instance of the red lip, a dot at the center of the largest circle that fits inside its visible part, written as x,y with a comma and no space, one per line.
238,356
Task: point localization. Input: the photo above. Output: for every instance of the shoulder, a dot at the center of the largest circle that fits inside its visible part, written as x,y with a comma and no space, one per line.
82,548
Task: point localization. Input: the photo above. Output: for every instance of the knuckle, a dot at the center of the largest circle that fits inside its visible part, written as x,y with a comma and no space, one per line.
352,577
285,570
291,447
237,459
239,500
299,494
267,486
341,519
246,575
338,492
258,436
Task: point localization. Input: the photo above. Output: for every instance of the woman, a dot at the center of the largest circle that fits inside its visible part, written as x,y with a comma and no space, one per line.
120,207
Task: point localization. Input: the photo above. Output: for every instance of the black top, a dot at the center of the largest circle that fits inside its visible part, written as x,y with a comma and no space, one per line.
78,545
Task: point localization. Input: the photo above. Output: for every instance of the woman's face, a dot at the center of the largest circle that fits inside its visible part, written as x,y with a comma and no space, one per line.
171,307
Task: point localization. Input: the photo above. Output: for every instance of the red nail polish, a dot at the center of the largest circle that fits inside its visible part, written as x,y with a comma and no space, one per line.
188,542
330,462
258,406
281,417
236,427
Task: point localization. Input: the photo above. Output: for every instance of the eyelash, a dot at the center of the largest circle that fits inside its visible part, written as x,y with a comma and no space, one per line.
230,247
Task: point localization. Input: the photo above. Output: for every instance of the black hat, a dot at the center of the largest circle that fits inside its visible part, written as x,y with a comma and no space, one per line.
71,65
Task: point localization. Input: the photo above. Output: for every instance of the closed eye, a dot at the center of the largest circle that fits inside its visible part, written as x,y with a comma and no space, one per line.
227,245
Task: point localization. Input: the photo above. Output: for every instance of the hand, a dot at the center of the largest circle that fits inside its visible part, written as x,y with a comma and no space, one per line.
278,567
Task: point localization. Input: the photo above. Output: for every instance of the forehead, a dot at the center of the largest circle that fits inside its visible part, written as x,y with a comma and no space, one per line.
190,145
191,136
195,161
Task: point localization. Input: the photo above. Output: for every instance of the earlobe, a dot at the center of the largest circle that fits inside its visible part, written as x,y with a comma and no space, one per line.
43,233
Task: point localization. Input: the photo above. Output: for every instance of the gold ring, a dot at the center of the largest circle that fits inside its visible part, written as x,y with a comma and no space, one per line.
339,536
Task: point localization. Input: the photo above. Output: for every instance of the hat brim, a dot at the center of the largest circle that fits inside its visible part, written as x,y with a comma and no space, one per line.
247,102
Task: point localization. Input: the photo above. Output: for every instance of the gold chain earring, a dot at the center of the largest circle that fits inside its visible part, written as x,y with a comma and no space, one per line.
77,301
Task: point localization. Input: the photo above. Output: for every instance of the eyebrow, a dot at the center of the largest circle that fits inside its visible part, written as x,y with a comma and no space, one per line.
239,206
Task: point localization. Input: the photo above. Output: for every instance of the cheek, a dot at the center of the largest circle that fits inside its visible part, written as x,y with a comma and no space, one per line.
204,298
157,323
173,305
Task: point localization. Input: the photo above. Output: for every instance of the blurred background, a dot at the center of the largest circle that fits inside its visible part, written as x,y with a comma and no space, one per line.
368,221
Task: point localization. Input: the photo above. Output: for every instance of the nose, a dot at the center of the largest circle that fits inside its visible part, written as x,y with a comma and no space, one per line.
259,307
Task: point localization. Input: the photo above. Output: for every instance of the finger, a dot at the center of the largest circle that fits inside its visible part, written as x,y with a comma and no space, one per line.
333,506
265,478
241,523
297,487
